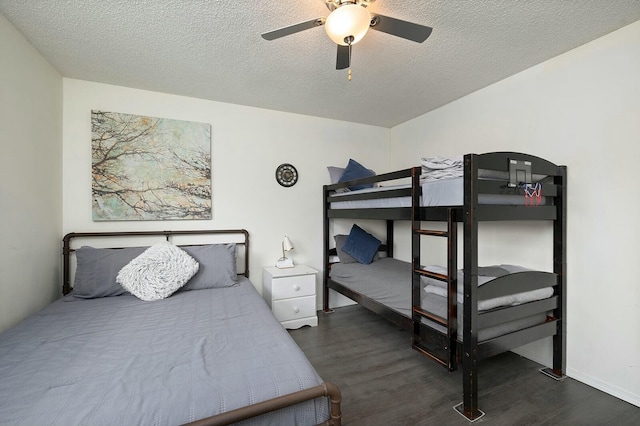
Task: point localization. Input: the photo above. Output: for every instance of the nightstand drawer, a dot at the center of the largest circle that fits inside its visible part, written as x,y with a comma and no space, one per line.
287,287
289,309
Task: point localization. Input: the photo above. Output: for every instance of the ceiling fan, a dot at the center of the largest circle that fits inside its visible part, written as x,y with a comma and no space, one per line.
348,22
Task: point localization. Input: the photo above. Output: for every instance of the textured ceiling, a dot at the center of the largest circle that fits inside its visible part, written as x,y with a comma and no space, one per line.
212,49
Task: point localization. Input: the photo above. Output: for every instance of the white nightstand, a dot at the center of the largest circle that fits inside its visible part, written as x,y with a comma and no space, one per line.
291,294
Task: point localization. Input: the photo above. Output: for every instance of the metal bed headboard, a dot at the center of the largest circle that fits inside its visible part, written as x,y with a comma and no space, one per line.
67,250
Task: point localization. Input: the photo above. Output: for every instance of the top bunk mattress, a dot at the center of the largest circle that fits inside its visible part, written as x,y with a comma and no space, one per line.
120,360
442,192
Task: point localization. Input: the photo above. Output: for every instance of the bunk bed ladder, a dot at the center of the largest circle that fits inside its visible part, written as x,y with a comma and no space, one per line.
418,340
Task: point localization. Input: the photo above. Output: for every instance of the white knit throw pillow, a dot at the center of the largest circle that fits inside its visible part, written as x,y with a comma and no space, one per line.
158,272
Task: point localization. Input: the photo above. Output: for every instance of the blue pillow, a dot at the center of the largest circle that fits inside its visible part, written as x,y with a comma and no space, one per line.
361,245
355,170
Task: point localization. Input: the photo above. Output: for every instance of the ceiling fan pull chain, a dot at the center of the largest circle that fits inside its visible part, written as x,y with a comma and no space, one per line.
349,41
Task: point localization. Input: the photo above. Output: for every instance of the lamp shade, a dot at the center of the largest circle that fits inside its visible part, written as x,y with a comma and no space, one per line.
349,20
286,244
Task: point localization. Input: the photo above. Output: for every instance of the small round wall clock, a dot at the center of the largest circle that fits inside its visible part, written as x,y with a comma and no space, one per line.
286,175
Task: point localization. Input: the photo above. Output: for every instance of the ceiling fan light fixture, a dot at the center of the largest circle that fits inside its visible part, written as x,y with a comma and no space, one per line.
349,20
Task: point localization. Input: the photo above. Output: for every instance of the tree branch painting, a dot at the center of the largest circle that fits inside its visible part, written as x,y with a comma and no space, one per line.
147,168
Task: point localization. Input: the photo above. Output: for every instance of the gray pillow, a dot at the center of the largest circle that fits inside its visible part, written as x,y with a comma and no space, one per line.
97,269
335,173
343,255
217,266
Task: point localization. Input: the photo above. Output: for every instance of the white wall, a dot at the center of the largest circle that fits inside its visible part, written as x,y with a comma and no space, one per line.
581,109
247,146
30,175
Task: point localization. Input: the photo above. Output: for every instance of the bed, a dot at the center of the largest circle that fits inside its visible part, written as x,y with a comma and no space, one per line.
211,353
456,315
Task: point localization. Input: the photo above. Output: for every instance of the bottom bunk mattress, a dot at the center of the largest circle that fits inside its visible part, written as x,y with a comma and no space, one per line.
120,360
388,281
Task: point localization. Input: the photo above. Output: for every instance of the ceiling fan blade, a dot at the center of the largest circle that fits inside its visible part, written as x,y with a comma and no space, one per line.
400,28
292,29
343,59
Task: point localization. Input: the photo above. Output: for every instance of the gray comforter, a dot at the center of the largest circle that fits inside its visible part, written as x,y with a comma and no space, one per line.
122,361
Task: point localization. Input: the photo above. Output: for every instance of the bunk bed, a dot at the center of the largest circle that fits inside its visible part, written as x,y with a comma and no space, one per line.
461,324
212,353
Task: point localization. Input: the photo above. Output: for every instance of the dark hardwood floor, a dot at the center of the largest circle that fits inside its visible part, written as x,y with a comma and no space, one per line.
385,382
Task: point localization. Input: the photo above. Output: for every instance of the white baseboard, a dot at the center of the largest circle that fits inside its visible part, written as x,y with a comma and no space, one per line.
533,356
540,352
612,390
336,300
530,352
588,380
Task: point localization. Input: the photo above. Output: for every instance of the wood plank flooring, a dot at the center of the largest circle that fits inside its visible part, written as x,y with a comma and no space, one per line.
385,382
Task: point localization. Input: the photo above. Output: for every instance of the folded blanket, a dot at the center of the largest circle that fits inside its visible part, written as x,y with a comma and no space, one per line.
435,168
508,300
435,163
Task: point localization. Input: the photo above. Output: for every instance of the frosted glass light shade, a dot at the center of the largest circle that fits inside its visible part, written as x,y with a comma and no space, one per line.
345,21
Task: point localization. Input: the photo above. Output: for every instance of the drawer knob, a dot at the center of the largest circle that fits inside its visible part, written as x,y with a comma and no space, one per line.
296,288
296,310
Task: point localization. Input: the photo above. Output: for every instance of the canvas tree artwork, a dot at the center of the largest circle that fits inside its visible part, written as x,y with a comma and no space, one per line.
148,168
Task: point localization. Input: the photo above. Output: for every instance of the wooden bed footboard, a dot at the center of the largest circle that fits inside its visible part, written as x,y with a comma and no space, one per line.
325,389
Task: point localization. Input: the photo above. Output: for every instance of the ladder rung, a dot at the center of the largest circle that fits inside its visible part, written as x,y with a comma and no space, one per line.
428,354
443,322
432,232
435,276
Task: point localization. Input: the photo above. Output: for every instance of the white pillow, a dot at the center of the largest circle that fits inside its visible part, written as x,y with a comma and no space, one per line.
158,272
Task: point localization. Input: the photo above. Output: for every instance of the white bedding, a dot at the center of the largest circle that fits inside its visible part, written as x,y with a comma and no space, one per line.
434,168
509,300
485,274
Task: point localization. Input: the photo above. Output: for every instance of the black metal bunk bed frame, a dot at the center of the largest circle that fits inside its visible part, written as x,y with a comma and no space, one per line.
445,348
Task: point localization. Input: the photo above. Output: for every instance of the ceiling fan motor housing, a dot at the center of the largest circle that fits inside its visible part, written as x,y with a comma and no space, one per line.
334,4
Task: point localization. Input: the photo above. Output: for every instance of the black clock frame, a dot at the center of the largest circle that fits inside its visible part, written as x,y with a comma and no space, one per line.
286,175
